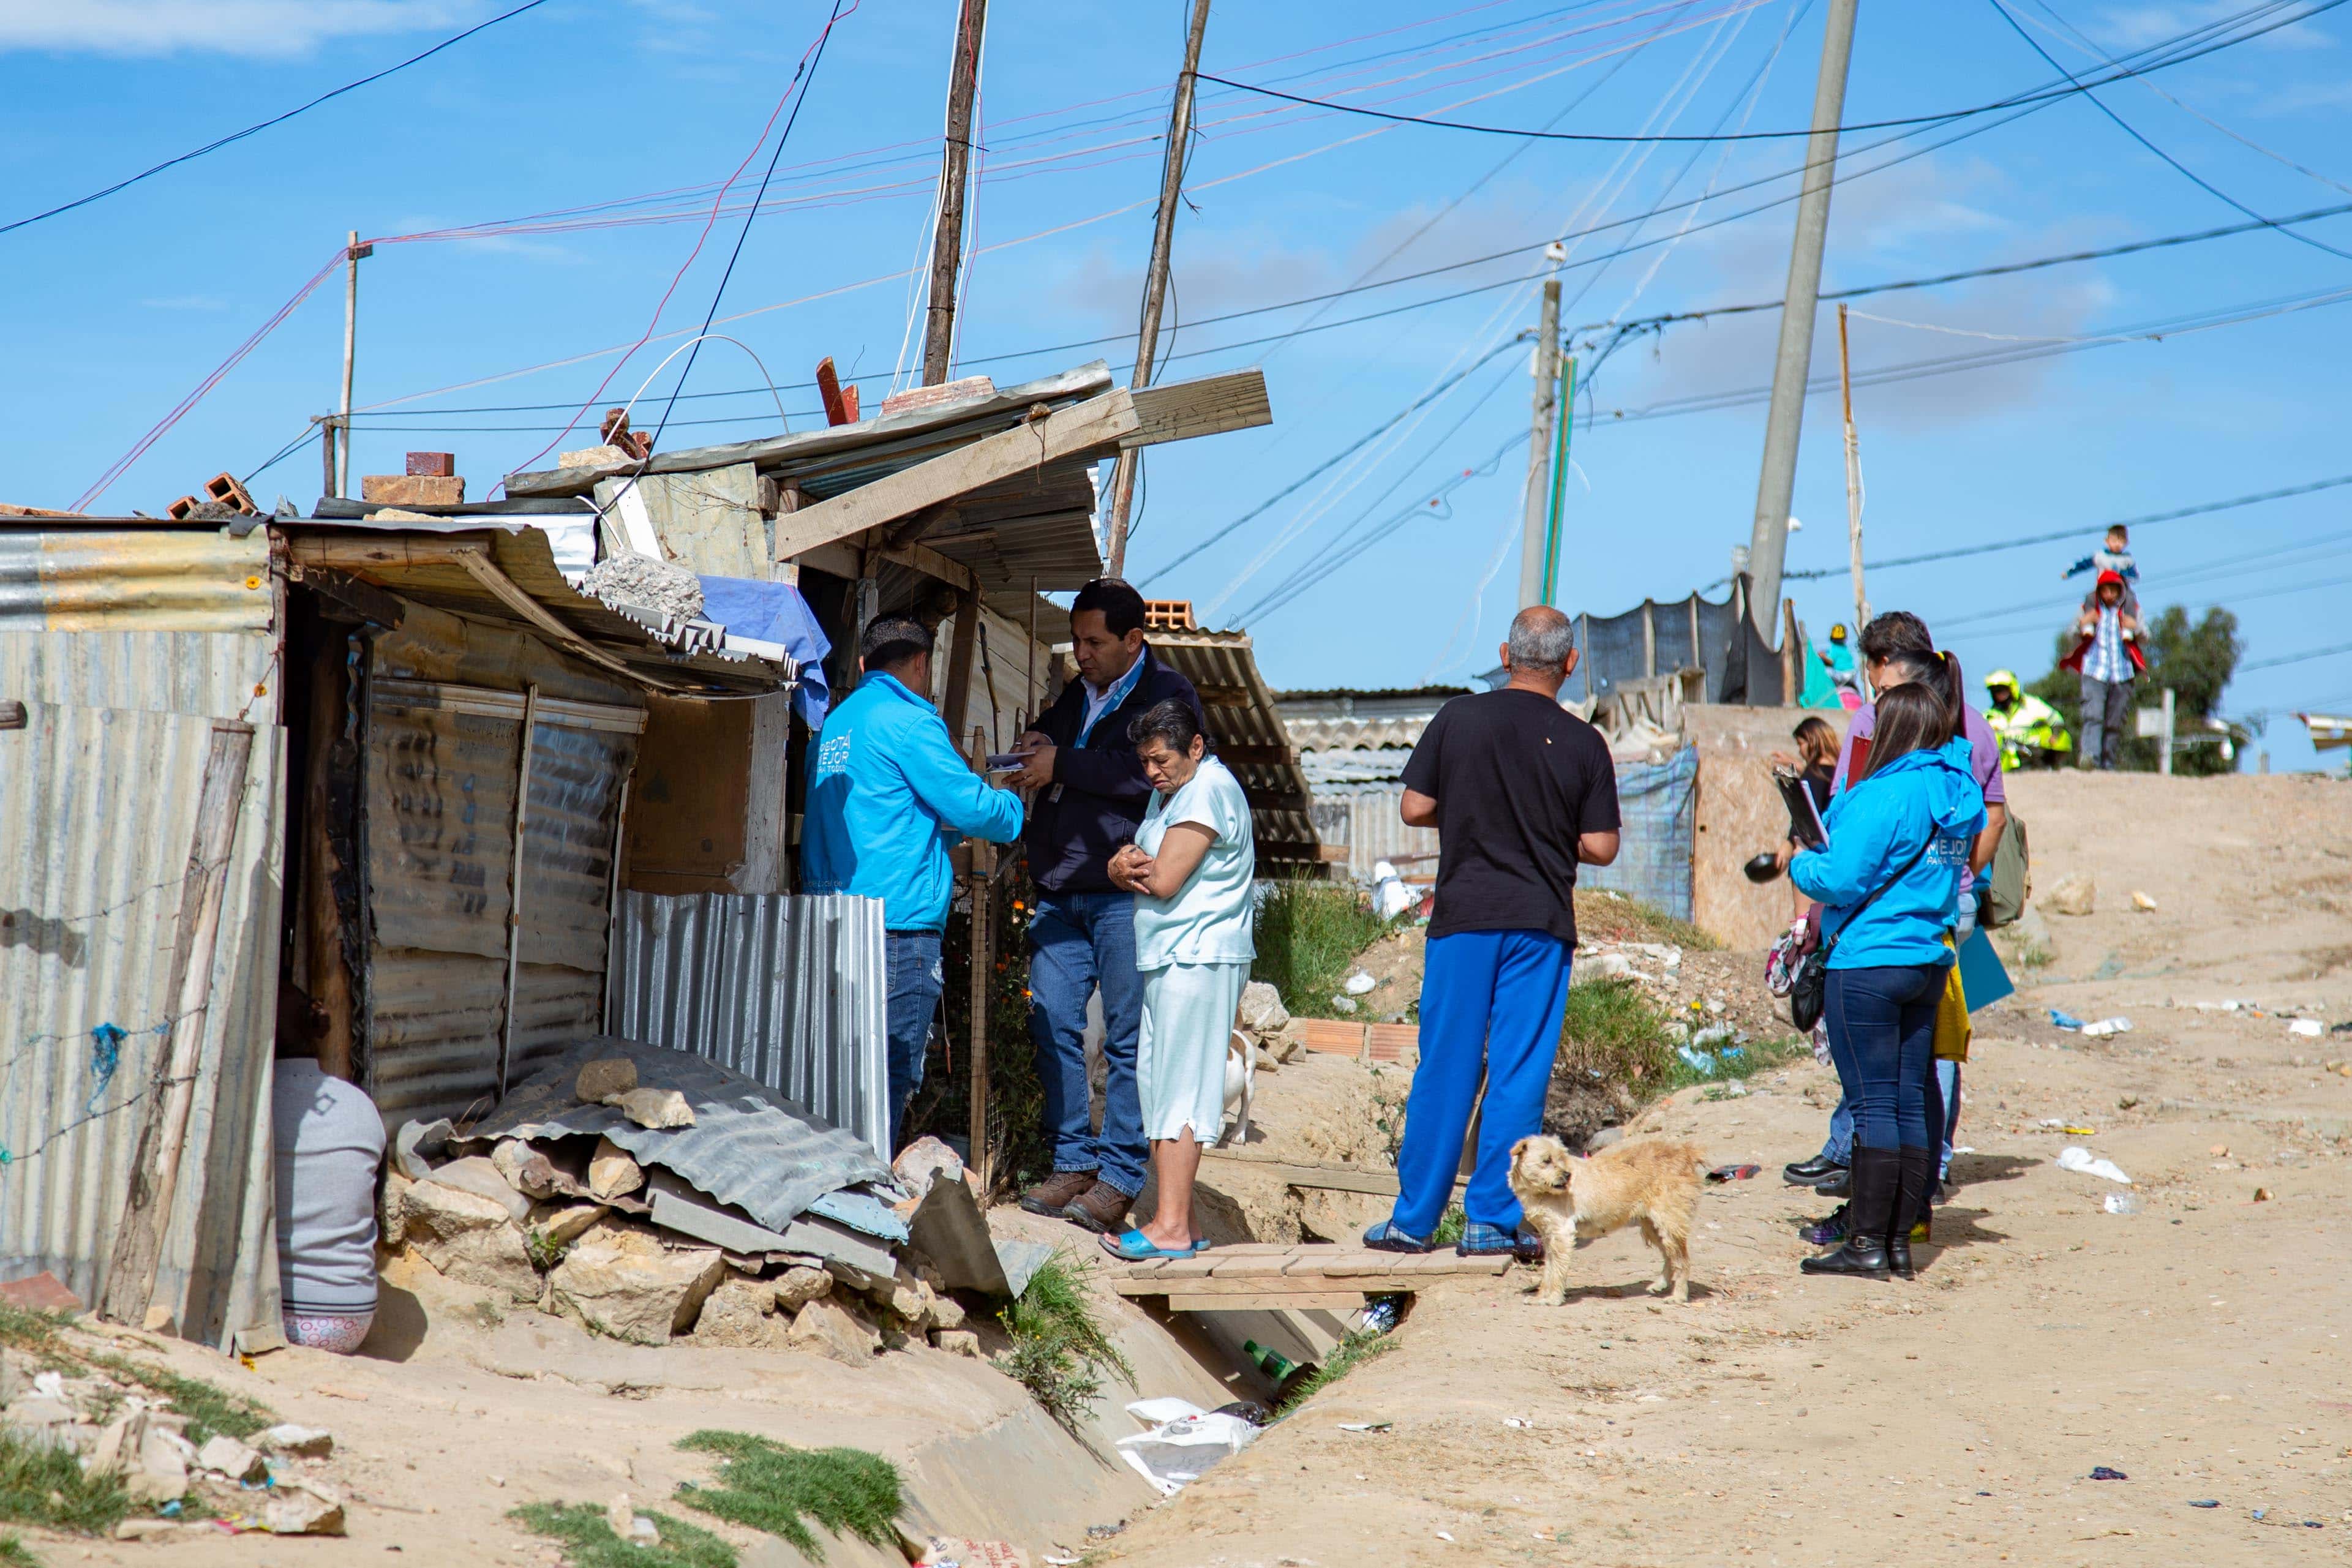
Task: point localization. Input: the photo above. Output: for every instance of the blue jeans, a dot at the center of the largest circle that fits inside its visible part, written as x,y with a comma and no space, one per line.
1883,1037
910,962
1943,1090
1491,1003
1080,942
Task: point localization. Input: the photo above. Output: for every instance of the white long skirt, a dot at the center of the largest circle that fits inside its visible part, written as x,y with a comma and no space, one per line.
1180,1054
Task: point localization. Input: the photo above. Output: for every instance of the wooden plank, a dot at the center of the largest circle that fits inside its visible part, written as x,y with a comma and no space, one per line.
1308,1173
1294,1285
1316,1301
1096,425
1208,405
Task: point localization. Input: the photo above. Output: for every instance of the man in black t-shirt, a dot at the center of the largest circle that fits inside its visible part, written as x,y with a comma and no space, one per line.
1521,790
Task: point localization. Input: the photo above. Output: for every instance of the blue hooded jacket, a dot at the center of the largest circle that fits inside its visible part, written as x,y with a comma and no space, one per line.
887,795
1875,828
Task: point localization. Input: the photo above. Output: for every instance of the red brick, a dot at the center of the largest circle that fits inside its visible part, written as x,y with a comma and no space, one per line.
420,490
432,465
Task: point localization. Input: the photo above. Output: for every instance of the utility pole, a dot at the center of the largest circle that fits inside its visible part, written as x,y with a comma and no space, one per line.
1535,528
1776,486
1853,477
955,161
353,254
1155,284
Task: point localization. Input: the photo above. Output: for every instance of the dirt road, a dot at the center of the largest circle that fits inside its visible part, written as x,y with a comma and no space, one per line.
2194,1345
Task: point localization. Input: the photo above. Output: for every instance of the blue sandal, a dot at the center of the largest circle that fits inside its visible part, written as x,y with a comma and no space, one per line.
1135,1247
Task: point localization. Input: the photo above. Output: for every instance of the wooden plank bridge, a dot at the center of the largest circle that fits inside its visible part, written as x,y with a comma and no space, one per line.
1252,1276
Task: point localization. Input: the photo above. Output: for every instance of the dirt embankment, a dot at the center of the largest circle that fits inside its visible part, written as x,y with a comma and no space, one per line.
2192,1343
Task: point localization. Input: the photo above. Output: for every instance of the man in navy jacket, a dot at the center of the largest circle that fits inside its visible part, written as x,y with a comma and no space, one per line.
1091,793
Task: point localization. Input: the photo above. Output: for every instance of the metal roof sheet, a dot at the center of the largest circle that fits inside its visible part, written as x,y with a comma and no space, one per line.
746,1147
1247,732
134,580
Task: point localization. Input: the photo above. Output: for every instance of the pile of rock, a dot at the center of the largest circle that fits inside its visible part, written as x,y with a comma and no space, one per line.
568,1225
1269,1025
119,1426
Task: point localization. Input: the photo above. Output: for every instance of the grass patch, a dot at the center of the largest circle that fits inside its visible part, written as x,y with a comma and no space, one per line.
1613,1033
45,1486
21,1328
1756,1056
770,1487
1308,934
209,1410
1604,916
589,1541
1060,1352
1450,1227
14,1553
1360,1346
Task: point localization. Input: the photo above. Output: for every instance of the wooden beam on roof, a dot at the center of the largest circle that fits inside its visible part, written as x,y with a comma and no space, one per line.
1097,425
1257,756
1208,406
358,555
1277,800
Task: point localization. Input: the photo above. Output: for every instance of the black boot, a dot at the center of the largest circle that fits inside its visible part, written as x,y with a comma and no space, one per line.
1916,1178
1876,1178
1811,1172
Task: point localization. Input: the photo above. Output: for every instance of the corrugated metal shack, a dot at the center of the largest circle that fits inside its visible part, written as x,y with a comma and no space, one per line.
1352,749
1246,729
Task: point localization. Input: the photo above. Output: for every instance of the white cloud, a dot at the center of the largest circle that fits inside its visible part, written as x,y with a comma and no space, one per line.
2139,27
251,28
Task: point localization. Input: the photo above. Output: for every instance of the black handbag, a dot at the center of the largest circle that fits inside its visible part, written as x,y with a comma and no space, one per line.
1809,975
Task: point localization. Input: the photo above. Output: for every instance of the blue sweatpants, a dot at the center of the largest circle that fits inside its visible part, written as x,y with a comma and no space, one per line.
1491,1003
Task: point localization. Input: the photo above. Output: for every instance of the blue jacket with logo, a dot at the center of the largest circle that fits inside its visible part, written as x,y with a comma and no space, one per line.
1874,827
886,797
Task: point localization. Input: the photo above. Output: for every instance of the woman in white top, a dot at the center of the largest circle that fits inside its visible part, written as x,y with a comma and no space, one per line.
1192,868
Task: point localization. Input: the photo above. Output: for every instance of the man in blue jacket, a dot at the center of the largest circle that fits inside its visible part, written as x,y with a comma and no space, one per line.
887,795
1090,792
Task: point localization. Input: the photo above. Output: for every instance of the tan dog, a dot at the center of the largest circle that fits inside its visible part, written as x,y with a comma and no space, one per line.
1570,1200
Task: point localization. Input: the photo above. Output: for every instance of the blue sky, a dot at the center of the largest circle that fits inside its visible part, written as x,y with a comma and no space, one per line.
620,120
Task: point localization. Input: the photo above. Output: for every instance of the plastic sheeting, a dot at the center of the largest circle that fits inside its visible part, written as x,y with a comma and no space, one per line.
1657,807
787,989
1688,633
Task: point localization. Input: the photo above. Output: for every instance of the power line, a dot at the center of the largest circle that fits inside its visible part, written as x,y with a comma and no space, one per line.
2203,508
2052,94
2296,658
216,145
2125,127
810,63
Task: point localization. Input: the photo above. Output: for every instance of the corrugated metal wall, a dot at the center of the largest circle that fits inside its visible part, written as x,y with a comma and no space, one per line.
1364,819
440,834
125,648
786,990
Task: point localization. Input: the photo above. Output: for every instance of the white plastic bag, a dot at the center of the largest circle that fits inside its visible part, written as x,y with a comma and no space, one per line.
1184,1441
2074,1158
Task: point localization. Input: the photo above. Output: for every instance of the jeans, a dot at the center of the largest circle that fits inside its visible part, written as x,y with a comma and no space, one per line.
1080,942
1883,1037
2106,709
1491,1004
1943,1090
910,961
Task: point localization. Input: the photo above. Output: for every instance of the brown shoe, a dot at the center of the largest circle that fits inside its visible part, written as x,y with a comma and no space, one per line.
1053,1196
1102,1208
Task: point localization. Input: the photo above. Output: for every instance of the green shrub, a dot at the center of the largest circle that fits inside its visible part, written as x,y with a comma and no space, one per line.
14,1553
1360,1346
1611,1031
1059,1351
1308,935
769,1486
589,1541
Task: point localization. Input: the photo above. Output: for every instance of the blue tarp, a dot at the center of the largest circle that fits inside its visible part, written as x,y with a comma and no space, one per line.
775,612
1657,806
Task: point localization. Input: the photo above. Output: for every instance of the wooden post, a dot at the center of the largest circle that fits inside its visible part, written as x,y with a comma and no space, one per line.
514,882
327,427
1155,283
1852,478
1029,674
328,980
955,163
155,1168
983,970
353,254
967,634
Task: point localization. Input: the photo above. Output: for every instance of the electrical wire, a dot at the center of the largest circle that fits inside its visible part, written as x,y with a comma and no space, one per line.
2075,87
2178,167
2295,658
253,130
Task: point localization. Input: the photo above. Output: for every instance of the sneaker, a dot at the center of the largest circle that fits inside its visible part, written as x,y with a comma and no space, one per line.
1101,1208
1828,1232
1053,1196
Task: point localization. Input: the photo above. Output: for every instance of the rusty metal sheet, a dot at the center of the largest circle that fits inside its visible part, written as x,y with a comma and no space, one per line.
158,580
97,818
